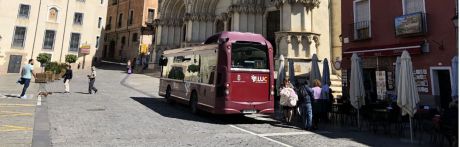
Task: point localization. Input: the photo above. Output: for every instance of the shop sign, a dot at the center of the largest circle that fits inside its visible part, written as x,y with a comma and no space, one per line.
411,24
85,49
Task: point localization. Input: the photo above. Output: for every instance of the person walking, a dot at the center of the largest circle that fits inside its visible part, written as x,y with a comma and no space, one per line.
92,79
67,77
128,67
305,99
26,75
79,65
288,100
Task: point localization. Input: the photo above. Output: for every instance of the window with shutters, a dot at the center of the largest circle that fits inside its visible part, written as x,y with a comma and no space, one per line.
78,18
19,37
48,42
24,11
413,6
74,42
362,26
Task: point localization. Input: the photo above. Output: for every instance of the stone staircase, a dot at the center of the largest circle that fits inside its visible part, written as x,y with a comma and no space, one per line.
336,86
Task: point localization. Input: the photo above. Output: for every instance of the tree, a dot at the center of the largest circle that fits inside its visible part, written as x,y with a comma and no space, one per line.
71,58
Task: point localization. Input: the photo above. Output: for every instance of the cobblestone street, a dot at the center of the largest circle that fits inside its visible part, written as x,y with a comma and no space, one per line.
127,111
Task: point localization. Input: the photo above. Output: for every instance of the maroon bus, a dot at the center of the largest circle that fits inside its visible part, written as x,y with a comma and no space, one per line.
231,73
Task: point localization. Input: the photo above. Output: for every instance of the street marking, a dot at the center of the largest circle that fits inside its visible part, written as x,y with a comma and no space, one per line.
39,100
16,105
259,135
11,128
12,113
287,134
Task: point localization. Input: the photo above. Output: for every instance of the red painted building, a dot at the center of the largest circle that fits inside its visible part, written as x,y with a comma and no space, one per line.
379,30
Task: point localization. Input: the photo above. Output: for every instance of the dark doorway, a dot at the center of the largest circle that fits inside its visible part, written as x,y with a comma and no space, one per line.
444,88
273,26
14,66
220,26
370,85
112,49
104,52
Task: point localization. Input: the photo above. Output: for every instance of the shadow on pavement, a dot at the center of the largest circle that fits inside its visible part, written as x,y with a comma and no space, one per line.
82,92
179,111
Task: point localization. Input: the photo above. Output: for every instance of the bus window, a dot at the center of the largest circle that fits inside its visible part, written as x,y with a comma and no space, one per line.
207,68
249,56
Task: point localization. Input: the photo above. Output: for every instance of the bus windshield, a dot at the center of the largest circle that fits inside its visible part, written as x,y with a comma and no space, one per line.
249,56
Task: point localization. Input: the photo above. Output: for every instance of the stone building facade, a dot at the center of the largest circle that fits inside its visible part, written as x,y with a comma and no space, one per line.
31,27
296,28
128,28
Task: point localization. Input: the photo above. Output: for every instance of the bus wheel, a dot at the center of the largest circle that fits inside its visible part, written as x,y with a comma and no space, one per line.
168,96
194,103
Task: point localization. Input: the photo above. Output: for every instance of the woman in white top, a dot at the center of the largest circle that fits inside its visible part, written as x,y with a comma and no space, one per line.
316,89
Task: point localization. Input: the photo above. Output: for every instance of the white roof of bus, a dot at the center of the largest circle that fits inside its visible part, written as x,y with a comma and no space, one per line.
190,50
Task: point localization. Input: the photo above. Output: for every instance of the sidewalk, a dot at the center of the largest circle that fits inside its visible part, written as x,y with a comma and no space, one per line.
16,115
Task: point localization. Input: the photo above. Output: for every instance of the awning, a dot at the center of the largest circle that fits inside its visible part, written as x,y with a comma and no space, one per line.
389,50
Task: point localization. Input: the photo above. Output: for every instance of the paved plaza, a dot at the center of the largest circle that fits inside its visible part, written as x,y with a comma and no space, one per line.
127,111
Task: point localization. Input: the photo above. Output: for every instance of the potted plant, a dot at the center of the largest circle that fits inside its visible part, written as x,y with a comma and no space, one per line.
70,58
43,58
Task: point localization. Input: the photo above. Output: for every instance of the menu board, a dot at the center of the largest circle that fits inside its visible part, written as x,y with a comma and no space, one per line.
381,84
420,76
344,78
391,82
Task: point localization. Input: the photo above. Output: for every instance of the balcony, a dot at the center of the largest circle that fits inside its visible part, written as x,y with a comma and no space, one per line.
361,30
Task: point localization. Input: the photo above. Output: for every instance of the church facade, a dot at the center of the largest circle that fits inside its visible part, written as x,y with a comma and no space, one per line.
296,28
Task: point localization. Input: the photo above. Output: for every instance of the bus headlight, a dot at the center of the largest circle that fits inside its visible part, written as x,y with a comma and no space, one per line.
272,92
227,92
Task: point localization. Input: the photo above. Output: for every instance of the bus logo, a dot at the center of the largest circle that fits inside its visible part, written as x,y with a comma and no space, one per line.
238,77
259,79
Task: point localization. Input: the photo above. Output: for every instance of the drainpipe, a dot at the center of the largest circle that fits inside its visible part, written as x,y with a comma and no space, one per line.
36,27
65,28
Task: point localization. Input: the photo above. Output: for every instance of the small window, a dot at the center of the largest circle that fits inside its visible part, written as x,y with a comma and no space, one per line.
19,37
48,42
99,22
123,41
97,41
24,11
120,18
102,2
53,15
78,19
109,24
131,17
413,6
151,15
81,1
74,42
135,37
114,2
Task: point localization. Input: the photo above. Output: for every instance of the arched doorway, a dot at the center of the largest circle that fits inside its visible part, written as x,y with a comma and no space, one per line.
273,26
220,27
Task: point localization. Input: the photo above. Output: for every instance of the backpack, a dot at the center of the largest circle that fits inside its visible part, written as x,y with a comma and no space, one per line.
305,94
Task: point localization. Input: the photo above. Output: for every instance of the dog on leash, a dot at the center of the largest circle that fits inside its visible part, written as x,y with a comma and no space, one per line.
44,94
